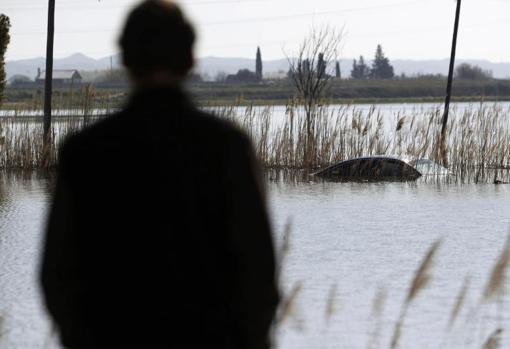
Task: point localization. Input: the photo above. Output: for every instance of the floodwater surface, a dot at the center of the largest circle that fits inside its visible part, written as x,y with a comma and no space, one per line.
348,243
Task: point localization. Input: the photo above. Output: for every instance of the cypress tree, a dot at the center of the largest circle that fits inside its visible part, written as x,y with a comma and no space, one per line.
355,69
4,41
338,73
258,65
321,65
363,68
359,69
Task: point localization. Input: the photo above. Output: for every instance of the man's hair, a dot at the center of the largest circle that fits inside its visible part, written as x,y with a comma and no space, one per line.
157,36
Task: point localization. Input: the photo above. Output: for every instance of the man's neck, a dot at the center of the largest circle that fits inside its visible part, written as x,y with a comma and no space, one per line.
161,79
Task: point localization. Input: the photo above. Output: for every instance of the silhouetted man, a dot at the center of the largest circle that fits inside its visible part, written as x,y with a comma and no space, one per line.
158,235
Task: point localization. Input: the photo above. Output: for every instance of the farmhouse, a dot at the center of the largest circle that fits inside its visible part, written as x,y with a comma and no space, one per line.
60,77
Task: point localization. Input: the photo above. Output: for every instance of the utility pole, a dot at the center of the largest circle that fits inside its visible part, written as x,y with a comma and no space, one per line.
48,79
442,145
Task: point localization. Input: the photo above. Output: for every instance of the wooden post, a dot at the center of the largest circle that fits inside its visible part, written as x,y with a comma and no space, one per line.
48,79
442,146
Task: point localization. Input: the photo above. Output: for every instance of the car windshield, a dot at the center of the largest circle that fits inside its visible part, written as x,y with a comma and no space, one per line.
429,167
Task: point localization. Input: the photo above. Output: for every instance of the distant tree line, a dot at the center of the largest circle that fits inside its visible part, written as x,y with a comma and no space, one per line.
245,75
380,69
467,71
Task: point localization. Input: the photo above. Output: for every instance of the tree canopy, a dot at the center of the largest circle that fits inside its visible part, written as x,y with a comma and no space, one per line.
359,69
243,75
381,67
258,65
338,73
5,24
472,72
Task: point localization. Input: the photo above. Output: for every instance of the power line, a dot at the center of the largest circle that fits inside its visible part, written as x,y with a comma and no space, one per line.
69,5
247,20
315,13
396,31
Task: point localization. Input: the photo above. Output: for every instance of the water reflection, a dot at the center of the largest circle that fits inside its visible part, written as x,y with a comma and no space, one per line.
361,237
23,200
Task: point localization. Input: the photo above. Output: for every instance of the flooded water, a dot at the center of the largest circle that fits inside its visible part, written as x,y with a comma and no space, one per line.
23,204
347,241
388,110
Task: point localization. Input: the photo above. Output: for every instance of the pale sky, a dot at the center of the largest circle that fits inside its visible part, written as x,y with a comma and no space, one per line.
407,29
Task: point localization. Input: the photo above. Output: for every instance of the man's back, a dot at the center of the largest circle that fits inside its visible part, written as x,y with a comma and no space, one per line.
159,236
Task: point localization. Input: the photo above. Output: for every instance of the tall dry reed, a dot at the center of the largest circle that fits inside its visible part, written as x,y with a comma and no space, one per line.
478,138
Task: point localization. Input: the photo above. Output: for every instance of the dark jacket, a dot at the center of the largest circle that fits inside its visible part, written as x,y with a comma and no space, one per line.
158,236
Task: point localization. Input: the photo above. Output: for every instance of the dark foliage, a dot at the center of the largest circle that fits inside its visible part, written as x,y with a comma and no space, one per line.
359,69
321,65
194,77
18,80
338,73
4,41
381,67
243,75
258,65
472,72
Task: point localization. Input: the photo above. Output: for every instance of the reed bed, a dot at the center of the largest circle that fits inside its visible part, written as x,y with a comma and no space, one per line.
21,140
478,136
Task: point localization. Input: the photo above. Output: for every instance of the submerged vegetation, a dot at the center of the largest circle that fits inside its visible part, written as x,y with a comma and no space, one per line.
478,136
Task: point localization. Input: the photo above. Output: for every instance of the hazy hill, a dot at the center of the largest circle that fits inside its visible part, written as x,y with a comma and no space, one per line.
77,61
212,65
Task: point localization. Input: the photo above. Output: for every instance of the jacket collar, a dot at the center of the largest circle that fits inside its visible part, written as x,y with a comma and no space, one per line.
159,97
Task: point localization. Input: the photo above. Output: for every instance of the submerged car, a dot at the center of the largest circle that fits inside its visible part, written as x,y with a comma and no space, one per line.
428,167
381,168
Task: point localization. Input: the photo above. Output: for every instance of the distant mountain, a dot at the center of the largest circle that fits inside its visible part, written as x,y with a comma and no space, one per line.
28,67
211,66
440,66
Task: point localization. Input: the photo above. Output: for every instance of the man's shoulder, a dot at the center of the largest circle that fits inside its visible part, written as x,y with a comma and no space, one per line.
198,125
210,122
100,128
91,136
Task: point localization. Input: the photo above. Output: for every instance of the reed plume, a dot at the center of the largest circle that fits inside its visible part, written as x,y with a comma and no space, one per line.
331,303
421,279
494,340
459,302
287,305
496,283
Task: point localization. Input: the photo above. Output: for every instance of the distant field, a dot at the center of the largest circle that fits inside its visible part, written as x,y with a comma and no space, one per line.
346,91
276,92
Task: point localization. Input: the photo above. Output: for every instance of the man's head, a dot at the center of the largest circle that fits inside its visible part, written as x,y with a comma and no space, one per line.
157,41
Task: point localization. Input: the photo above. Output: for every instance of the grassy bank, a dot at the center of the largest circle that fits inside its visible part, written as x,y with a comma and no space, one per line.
350,101
354,91
279,92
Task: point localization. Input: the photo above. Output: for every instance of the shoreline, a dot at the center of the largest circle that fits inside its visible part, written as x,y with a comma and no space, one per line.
350,101
16,106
